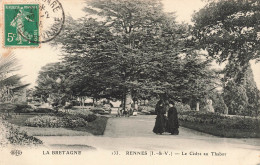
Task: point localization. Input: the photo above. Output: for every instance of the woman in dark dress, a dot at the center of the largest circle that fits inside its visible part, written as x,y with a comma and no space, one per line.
159,127
172,123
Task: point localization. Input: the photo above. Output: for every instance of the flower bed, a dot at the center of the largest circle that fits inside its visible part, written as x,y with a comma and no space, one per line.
44,121
61,119
220,125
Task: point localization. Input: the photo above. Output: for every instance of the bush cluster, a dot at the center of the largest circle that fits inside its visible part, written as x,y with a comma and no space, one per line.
17,137
44,121
5,116
23,108
7,107
88,118
43,110
71,121
86,115
61,119
220,121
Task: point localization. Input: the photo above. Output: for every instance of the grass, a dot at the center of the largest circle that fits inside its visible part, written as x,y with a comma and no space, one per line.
36,131
96,127
229,133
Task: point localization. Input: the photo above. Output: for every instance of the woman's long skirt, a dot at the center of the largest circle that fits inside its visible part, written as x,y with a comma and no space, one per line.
172,125
159,127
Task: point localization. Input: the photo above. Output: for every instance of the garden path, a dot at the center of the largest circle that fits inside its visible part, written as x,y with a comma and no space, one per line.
135,132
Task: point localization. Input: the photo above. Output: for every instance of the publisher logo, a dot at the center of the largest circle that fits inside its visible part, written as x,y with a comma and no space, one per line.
16,152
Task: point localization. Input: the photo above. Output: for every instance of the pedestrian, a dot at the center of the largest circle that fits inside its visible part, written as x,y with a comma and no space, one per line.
172,122
159,126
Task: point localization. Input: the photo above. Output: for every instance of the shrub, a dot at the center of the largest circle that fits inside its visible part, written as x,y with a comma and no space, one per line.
23,108
72,121
44,121
6,116
17,137
220,121
91,117
43,110
182,107
7,107
62,119
86,115
67,121
59,114
21,138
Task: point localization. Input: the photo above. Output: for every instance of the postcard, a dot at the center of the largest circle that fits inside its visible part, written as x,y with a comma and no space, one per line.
129,82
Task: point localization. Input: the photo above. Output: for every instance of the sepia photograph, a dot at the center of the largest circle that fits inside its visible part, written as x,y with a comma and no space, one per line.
123,82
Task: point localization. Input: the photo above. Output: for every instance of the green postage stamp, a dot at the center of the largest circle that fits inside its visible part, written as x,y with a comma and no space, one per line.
21,25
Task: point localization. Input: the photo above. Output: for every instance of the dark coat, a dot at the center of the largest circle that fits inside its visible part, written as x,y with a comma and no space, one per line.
160,121
172,123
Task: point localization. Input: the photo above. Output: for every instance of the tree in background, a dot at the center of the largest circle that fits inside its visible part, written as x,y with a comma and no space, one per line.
243,98
54,83
135,50
111,51
136,25
229,31
90,54
236,98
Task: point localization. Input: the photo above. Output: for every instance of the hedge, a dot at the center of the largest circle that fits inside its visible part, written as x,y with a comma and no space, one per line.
220,122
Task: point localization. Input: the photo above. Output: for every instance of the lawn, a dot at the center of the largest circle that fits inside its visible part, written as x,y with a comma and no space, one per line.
37,131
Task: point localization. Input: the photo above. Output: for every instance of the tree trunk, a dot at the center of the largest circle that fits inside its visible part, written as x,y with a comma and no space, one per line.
128,100
124,102
82,101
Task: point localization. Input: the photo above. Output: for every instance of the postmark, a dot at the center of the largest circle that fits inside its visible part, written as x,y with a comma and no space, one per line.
21,25
52,20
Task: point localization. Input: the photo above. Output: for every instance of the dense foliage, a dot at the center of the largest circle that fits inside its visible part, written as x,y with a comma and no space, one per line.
221,122
229,32
61,119
15,136
136,50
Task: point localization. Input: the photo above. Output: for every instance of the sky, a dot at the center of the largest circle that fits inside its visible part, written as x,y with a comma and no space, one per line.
31,60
